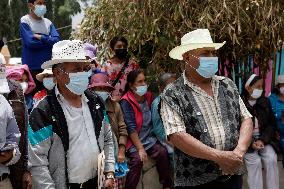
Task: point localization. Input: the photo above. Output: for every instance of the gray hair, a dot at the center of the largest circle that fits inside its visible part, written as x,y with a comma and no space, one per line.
165,77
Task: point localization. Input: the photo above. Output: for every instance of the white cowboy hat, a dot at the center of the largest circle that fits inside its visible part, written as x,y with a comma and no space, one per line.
66,51
196,39
46,72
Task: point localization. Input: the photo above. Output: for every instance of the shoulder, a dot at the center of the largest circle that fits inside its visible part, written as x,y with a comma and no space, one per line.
173,87
26,19
273,97
47,21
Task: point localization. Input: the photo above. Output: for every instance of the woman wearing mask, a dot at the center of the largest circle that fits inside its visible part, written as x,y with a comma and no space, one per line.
22,75
277,102
101,86
261,149
135,104
45,77
119,66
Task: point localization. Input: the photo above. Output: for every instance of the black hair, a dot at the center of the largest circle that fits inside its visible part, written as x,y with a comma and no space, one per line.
164,78
116,39
31,1
276,89
131,77
1,44
245,94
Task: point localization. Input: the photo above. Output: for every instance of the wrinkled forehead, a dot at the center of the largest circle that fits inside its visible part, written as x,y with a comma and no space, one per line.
75,65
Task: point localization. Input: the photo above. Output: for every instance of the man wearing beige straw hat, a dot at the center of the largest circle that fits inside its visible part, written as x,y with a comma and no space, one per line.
205,118
69,127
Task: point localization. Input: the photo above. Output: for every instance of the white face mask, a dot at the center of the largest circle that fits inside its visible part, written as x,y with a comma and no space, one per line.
24,86
282,90
103,94
252,102
256,93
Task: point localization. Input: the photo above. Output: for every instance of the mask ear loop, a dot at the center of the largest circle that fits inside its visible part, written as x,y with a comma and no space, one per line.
190,64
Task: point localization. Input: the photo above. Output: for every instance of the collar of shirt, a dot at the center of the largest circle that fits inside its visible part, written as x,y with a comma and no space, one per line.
214,83
61,98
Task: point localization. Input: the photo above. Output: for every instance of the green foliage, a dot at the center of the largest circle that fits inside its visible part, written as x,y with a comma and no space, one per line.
154,27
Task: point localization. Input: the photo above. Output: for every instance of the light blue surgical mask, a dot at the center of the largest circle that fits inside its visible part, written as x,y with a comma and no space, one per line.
40,10
141,90
78,82
48,83
208,66
103,94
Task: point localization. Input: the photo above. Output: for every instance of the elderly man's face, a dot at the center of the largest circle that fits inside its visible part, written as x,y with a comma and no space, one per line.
61,72
192,57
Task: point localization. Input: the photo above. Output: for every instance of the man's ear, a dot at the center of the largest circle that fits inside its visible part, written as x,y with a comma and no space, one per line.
31,6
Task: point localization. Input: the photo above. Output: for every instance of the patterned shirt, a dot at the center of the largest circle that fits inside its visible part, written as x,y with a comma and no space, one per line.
113,69
210,109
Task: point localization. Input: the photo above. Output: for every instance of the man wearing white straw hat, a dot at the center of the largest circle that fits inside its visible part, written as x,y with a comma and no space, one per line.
69,128
205,118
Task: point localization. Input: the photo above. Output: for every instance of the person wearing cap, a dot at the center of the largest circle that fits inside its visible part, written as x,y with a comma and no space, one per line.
101,86
261,152
46,77
69,127
38,35
205,118
277,102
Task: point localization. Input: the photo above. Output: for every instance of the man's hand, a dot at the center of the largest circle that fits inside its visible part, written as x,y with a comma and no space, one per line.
6,156
121,154
239,153
143,155
229,162
27,180
37,36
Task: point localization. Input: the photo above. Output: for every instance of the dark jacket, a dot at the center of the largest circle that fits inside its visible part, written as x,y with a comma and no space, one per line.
49,140
267,123
17,101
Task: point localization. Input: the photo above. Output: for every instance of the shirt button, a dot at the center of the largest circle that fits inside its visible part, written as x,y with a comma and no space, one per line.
205,130
198,113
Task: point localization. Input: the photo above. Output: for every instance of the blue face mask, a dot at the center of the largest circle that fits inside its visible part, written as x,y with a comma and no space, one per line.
104,95
141,90
48,83
208,66
78,82
40,10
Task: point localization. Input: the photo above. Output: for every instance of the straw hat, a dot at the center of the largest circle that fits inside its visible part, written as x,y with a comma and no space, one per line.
196,39
45,73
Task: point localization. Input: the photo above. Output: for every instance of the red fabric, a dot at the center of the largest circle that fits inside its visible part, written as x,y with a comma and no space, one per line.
130,98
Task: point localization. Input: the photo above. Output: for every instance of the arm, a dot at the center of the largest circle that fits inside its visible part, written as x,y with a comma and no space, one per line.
52,38
130,121
39,146
108,147
28,37
245,131
122,130
12,137
158,127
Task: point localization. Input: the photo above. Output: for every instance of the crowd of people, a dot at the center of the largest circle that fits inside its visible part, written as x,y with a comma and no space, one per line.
69,122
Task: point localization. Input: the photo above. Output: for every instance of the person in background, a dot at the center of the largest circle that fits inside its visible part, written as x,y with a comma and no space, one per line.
46,77
2,58
22,75
101,86
277,103
68,129
9,139
91,54
38,36
119,66
205,119
12,91
261,153
136,104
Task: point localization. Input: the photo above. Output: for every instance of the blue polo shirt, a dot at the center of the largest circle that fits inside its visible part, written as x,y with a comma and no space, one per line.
36,52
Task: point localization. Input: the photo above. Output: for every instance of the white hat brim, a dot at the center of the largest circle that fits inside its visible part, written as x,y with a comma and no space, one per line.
177,52
50,63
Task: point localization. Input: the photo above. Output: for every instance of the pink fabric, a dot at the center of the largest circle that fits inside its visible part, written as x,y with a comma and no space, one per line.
16,73
130,98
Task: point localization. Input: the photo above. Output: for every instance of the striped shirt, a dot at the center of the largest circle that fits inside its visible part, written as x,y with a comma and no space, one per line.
210,109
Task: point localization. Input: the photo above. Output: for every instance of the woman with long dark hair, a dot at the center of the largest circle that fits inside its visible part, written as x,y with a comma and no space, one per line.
136,104
119,65
262,149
